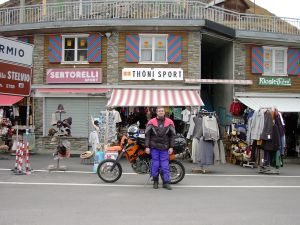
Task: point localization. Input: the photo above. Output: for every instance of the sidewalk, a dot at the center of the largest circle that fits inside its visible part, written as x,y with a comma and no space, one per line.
41,161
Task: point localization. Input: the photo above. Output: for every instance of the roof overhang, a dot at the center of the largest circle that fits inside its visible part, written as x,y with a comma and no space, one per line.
266,38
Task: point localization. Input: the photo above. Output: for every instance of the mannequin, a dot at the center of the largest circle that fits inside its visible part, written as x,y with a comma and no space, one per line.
94,137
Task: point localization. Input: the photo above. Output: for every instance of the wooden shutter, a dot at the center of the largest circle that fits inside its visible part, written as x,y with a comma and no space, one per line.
257,59
132,48
55,49
174,48
293,61
94,48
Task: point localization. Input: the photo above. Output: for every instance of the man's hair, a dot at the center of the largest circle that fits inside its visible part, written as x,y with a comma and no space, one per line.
159,107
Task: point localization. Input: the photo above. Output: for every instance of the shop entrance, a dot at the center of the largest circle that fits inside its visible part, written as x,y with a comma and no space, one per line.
216,63
292,133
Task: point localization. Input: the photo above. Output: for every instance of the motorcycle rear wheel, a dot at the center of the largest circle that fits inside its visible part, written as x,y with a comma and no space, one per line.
104,172
177,171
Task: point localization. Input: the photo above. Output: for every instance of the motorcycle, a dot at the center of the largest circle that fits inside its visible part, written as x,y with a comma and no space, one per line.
133,148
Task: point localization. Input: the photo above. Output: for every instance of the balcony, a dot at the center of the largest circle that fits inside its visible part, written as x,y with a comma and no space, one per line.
154,10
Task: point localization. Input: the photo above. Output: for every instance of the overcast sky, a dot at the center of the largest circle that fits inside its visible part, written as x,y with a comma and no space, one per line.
284,8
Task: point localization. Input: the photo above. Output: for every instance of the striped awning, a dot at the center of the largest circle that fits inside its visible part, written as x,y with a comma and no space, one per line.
140,97
9,100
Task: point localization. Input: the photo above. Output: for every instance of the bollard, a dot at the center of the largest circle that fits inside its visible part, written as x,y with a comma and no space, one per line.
27,162
17,157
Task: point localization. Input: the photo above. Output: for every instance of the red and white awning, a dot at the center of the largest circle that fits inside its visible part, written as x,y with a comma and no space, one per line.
9,100
218,81
140,97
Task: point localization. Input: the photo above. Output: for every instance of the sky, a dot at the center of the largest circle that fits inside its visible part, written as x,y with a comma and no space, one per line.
282,8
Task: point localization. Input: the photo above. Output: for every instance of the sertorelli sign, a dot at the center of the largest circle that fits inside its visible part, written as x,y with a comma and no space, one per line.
152,74
275,81
77,75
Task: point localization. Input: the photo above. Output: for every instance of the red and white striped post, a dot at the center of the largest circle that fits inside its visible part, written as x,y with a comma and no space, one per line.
17,157
20,161
27,162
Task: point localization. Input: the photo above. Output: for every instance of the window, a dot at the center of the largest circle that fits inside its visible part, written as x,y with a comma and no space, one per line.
275,61
153,48
75,49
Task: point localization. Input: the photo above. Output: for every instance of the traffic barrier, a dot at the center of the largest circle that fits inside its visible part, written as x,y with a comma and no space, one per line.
22,154
17,157
27,161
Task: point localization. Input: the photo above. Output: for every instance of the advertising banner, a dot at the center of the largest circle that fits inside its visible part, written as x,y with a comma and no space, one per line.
164,74
275,81
16,51
74,75
15,79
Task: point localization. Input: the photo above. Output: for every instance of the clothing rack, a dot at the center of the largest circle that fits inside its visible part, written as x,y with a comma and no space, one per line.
206,113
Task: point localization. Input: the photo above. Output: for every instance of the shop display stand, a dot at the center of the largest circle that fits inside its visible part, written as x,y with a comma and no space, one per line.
58,167
200,169
249,164
268,170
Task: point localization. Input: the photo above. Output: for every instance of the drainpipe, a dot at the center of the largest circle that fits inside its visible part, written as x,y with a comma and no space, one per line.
233,68
200,64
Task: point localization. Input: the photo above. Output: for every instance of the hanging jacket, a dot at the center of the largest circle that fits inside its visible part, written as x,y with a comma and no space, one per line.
210,128
198,129
160,134
257,125
268,126
272,144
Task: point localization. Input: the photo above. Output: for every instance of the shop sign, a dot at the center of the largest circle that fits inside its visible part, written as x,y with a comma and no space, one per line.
275,81
15,80
152,74
77,75
15,51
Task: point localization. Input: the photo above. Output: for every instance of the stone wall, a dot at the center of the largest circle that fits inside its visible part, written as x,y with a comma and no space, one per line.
38,60
194,55
113,58
78,145
239,65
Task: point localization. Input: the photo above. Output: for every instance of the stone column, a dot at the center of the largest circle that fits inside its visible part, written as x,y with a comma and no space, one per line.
113,58
38,78
194,55
38,60
239,65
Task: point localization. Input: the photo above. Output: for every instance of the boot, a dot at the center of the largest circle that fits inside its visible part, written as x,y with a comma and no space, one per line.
155,182
167,186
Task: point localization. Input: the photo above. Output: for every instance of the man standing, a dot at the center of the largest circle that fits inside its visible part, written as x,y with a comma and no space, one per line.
160,138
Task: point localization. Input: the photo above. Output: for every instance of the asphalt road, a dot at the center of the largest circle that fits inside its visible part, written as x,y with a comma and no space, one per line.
79,197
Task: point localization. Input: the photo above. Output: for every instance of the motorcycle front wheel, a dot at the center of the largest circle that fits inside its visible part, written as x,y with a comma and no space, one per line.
177,171
106,174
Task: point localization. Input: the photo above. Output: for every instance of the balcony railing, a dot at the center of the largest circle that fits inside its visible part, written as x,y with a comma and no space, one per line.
145,10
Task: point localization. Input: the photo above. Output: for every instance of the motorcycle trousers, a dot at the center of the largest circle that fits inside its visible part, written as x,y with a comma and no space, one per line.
160,161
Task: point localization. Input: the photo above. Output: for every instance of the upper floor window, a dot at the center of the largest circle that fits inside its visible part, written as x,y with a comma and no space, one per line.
74,49
153,48
275,61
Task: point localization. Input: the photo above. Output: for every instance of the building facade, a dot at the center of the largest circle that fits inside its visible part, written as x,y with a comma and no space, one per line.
87,53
